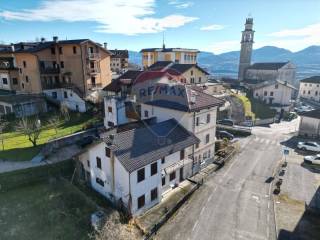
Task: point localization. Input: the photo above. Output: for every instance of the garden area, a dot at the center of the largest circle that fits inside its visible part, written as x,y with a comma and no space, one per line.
255,109
16,146
55,210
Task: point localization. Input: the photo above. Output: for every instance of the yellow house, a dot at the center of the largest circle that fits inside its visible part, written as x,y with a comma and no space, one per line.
177,55
33,67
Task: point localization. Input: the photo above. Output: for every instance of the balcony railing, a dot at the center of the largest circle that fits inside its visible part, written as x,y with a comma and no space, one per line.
93,70
94,56
50,70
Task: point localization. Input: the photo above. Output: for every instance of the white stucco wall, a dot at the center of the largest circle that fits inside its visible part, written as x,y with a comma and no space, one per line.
73,101
310,91
281,95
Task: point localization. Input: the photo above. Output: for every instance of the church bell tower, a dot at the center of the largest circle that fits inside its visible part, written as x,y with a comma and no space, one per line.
246,48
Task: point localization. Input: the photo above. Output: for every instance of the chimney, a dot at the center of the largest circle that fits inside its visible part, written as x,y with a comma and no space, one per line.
12,47
43,40
55,39
105,45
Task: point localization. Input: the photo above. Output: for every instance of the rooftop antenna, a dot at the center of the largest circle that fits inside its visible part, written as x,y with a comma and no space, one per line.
163,45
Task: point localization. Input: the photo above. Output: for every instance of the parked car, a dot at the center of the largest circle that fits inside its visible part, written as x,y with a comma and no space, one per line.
303,109
227,122
312,159
310,146
225,134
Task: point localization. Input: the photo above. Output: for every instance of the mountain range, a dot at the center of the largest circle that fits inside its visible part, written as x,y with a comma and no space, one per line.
307,60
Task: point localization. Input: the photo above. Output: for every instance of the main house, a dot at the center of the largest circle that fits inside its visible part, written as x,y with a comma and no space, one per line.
81,66
310,89
119,60
135,162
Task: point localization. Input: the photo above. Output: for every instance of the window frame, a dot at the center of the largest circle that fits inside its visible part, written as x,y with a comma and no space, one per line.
153,168
98,162
141,177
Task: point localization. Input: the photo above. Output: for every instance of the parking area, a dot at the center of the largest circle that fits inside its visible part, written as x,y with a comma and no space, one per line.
297,207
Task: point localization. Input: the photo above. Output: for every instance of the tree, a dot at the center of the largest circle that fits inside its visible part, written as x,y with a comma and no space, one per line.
54,121
3,125
30,127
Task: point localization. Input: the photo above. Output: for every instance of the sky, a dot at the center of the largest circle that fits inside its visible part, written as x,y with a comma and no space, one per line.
207,25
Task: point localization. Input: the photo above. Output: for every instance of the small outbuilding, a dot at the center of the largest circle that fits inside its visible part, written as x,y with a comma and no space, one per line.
310,124
22,104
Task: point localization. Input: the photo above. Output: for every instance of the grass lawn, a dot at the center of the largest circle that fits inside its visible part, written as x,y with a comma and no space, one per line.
45,211
255,108
17,147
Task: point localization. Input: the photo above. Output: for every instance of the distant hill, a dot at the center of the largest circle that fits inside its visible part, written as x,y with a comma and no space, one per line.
226,64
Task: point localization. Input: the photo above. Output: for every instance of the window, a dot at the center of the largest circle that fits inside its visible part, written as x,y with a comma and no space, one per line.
98,162
108,152
54,95
74,50
199,79
205,155
265,93
197,121
110,109
182,154
208,118
60,50
154,168
163,181
257,94
53,50
22,85
91,64
146,114
163,160
140,175
197,145
304,92
88,163
62,64
271,94
207,138
65,94
309,92
172,176
276,86
24,64
27,79
154,194
100,182
316,93
191,72
110,124
14,81
141,201
5,81
209,153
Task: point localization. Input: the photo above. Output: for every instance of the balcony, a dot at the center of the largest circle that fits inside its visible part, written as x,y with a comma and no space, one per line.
49,70
93,56
95,86
93,71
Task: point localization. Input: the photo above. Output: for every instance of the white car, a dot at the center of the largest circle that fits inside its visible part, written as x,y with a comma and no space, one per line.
310,146
312,159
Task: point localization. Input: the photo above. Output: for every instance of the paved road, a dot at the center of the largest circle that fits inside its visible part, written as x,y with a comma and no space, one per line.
235,203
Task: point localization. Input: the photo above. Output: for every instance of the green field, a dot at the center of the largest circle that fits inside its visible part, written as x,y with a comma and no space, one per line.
17,147
45,211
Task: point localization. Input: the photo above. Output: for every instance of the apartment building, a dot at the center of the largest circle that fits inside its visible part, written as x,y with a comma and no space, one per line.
34,67
310,89
119,60
177,55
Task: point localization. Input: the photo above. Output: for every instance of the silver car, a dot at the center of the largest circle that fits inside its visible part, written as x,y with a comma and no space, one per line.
309,146
312,159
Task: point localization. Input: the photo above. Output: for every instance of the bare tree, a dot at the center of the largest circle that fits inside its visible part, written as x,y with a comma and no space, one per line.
3,125
65,111
30,127
54,121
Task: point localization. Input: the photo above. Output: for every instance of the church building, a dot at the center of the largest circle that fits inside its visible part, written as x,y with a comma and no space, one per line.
257,73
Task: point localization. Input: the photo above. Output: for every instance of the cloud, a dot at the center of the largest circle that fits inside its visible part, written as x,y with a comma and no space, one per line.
212,27
225,46
181,4
128,17
296,39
